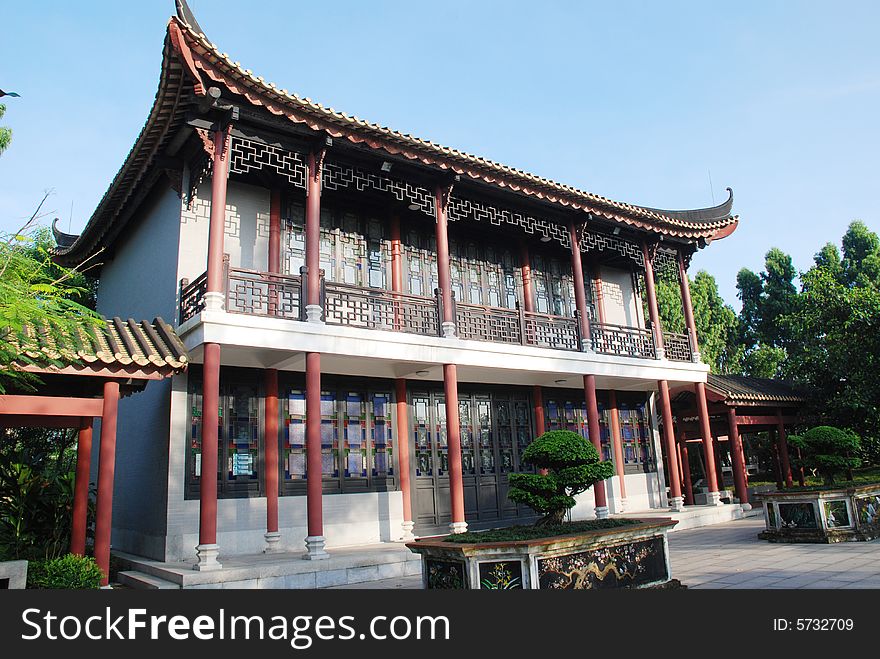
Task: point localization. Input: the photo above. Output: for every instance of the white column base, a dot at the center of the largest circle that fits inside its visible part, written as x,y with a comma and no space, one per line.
602,512
315,548
272,541
746,507
448,329
207,558
458,527
408,531
676,504
713,499
586,345
313,313
215,301
695,357
107,587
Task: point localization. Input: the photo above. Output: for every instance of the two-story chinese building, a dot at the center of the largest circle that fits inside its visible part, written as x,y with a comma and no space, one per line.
377,325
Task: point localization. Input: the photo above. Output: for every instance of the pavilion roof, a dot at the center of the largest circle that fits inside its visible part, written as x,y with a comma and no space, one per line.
136,348
744,390
190,62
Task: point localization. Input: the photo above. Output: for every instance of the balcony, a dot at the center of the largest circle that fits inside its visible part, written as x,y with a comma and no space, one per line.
251,292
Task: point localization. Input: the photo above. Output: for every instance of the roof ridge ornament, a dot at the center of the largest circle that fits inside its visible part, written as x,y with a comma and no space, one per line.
184,13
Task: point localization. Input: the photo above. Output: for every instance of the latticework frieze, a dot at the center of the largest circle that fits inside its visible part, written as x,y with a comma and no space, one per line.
602,242
337,176
248,155
460,209
666,265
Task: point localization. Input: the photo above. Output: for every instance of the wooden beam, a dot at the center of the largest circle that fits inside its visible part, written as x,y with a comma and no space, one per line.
50,406
41,421
132,371
768,420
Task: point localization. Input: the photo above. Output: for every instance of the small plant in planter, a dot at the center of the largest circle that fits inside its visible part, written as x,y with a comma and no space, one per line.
827,450
573,466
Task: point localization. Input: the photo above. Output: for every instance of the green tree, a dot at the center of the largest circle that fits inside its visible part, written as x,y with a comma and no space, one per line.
573,466
827,450
717,327
5,133
861,256
36,294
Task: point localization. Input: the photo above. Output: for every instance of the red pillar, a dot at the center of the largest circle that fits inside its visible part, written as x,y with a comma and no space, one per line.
675,499
453,438
596,438
313,238
686,470
719,472
706,432
783,450
314,475
739,466
526,271
403,455
216,225
81,491
106,468
577,269
207,549
687,306
444,275
540,423
653,311
617,446
600,294
270,452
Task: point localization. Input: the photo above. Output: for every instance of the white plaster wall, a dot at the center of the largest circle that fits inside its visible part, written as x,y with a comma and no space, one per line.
246,236
139,281
622,306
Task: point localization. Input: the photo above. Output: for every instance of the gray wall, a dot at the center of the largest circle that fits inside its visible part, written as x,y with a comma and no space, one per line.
140,282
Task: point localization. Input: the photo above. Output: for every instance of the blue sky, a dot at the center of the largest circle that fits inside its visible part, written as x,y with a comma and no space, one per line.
636,101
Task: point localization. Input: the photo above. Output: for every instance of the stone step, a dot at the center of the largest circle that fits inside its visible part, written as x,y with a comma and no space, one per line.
142,581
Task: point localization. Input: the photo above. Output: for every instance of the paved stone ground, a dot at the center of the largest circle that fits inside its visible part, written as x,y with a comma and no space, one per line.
730,555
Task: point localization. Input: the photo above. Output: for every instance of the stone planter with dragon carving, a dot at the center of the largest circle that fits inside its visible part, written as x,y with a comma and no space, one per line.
634,556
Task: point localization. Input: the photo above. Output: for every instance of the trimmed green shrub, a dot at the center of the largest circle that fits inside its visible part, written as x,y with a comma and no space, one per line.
827,450
70,572
573,466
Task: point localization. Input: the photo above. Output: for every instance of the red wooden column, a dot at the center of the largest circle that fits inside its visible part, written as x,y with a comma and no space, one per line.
686,471
81,491
270,453
402,434
540,423
526,271
714,498
314,473
676,502
577,269
453,438
106,469
653,312
270,424
783,450
596,438
207,549
444,275
739,465
688,307
617,448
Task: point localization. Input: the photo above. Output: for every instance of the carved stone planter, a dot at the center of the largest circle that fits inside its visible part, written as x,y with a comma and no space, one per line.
634,556
822,515
13,574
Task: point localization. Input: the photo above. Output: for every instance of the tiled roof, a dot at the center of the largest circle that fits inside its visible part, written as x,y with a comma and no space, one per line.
740,389
188,54
149,346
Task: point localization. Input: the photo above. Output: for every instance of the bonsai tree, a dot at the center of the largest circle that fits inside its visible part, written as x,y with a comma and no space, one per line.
827,450
572,465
